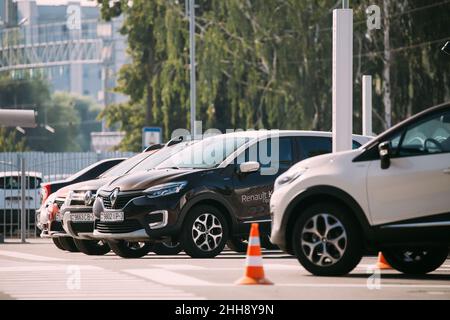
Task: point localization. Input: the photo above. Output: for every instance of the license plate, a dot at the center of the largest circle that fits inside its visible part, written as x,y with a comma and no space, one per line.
82,217
111,216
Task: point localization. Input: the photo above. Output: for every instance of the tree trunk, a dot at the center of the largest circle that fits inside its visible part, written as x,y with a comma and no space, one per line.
387,67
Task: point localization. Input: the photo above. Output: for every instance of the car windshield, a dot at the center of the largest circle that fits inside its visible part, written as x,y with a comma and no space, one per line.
160,156
82,172
126,165
208,153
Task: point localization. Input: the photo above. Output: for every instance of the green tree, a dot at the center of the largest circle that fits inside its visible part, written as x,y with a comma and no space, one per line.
10,141
72,117
268,63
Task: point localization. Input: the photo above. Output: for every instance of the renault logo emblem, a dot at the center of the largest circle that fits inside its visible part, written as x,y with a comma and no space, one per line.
113,197
89,198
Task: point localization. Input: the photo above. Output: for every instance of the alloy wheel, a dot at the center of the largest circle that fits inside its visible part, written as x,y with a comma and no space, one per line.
207,232
323,239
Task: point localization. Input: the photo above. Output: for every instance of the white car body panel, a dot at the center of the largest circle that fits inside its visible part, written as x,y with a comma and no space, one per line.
412,187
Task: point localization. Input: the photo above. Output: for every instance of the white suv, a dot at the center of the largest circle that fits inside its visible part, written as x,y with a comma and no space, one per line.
392,195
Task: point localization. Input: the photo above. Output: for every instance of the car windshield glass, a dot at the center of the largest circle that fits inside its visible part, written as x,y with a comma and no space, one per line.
82,172
157,158
126,165
208,153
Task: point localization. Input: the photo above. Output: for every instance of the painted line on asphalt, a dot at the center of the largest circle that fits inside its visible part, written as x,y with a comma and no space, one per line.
187,267
167,277
94,282
27,256
46,268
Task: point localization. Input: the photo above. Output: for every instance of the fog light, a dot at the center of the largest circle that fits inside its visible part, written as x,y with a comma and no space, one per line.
158,219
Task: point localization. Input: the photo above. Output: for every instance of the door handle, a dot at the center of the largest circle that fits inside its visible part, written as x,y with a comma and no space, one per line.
446,171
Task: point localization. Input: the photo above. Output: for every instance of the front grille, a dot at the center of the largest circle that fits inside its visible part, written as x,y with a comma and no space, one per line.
79,209
121,201
59,203
74,202
118,227
106,202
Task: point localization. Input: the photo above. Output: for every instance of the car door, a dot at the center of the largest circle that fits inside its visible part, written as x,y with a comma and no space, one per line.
252,191
417,183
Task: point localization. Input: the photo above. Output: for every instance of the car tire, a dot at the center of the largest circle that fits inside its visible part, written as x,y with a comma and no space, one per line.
205,232
167,248
130,250
417,261
68,244
237,244
92,247
58,244
331,229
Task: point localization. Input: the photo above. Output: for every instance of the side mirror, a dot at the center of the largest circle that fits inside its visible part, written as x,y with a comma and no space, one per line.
384,150
250,166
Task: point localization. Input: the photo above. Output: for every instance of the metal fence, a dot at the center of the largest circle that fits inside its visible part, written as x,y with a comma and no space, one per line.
21,175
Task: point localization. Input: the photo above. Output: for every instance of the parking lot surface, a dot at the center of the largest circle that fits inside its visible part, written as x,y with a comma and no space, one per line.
38,270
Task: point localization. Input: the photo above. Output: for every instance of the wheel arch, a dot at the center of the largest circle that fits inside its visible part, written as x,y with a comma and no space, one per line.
324,194
214,200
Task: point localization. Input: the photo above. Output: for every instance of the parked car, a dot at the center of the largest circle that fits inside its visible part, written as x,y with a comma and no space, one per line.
78,219
391,195
48,188
203,195
88,173
11,198
51,220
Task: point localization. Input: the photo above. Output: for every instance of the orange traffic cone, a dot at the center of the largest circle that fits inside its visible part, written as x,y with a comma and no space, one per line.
254,270
382,263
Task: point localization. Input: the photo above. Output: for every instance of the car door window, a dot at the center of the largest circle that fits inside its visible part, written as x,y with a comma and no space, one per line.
429,136
262,153
314,146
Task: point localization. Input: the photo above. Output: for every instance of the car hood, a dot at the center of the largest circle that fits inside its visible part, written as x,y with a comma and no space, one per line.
90,185
327,158
147,179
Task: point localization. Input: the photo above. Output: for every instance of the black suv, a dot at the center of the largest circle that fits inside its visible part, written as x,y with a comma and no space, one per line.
202,196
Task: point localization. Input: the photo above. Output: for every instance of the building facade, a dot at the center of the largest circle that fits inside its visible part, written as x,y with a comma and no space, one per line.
67,43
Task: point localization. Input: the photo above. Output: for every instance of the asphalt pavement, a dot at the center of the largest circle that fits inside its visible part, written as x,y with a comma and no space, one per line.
38,270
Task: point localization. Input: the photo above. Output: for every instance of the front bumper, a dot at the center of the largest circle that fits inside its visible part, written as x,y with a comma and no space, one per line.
278,207
55,230
144,219
78,229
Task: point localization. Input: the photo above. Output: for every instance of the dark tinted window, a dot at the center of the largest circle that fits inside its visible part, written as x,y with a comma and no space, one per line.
13,182
315,146
262,152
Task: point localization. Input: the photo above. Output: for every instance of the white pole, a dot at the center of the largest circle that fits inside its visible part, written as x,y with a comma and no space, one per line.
23,214
342,79
367,105
192,58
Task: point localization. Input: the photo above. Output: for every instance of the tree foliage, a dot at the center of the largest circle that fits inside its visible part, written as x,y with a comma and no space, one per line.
267,64
70,116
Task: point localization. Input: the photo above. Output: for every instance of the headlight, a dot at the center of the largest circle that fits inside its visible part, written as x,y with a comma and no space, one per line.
165,189
288,177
